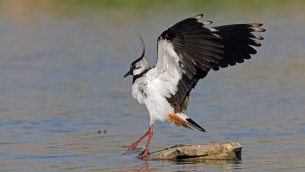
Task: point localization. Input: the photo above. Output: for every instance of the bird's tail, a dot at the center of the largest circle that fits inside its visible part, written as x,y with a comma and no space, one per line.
180,119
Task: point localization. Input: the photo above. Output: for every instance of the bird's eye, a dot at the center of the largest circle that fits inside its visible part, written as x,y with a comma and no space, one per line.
133,66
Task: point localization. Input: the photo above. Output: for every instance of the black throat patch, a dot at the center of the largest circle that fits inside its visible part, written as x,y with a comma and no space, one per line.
135,77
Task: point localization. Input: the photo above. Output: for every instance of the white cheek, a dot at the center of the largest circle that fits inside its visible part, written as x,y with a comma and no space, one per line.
137,71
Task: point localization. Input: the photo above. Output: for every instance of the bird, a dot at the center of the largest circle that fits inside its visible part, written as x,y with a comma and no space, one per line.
186,52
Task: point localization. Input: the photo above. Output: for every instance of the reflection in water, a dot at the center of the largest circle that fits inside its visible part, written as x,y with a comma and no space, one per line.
225,164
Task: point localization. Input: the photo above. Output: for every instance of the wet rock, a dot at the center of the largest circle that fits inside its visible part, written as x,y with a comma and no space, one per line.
225,151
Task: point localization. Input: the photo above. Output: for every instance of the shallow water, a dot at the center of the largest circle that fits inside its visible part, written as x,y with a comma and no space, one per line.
62,81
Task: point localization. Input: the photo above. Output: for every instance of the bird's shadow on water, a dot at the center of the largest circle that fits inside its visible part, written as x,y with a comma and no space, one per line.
195,163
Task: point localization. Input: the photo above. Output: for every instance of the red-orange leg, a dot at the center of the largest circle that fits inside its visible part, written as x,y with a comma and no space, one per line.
150,135
137,142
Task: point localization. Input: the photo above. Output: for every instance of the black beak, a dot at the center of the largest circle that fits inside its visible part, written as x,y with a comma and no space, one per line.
127,74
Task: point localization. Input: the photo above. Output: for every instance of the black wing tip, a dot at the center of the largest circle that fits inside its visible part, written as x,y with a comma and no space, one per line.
199,16
195,125
257,27
256,36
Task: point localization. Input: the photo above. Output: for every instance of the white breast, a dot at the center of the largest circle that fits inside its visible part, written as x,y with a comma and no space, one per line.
153,90
139,89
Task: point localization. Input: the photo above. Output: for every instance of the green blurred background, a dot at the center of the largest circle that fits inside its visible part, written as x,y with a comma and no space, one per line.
140,9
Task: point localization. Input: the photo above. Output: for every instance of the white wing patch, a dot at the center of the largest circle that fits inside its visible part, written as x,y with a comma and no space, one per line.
167,71
174,69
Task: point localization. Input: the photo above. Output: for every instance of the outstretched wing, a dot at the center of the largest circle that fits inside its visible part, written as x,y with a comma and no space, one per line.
188,50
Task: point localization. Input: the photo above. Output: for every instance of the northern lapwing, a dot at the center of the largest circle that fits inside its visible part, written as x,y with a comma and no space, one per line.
186,53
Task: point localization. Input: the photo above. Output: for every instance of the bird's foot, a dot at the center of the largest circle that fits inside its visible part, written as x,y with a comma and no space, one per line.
145,153
131,146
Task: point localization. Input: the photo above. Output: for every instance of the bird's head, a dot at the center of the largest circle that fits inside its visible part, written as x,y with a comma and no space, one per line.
140,65
137,67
